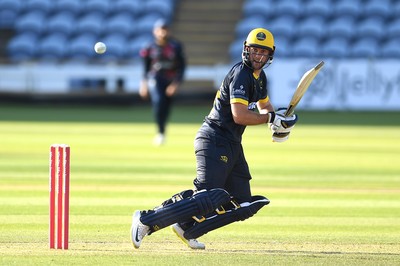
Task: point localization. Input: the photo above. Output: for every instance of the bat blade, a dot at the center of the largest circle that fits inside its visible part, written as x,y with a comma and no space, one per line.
302,87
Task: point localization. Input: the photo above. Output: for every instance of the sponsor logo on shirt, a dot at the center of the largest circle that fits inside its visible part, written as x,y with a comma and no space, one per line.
252,106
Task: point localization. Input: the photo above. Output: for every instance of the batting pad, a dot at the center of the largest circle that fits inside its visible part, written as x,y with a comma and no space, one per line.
245,211
200,204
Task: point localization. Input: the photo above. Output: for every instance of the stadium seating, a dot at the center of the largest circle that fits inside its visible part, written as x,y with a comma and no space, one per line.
377,8
121,23
292,8
50,49
335,48
9,11
393,29
318,8
63,22
302,28
44,6
345,7
23,47
390,49
365,47
312,26
324,28
256,8
72,6
370,27
34,21
305,47
341,26
283,26
81,47
78,25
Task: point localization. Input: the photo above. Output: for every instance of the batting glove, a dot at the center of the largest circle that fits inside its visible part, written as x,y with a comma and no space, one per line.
282,124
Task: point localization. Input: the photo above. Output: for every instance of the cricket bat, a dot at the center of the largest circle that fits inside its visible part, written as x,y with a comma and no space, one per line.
302,87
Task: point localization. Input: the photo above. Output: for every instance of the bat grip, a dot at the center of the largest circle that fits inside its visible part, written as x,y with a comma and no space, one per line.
289,111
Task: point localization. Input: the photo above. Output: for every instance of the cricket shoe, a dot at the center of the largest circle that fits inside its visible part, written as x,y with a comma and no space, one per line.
138,230
192,243
159,140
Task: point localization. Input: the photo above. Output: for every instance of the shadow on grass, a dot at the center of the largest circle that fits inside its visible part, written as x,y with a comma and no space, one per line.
181,113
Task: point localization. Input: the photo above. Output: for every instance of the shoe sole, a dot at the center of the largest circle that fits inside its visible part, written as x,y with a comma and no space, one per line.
183,239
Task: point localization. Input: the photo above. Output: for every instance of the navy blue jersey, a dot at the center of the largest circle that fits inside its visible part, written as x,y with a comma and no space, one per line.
164,62
239,86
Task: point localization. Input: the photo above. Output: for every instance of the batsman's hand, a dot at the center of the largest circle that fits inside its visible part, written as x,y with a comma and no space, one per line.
281,123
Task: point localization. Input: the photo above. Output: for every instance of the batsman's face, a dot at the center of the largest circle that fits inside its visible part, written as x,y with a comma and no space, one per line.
258,57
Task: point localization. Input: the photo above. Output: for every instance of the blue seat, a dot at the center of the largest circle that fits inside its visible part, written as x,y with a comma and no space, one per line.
345,7
45,6
73,6
33,22
377,8
370,27
22,47
10,5
282,46
9,11
91,23
116,47
100,6
390,49
393,29
7,18
244,26
313,26
318,7
132,7
283,25
335,48
365,48
145,24
81,47
306,47
342,26
121,23
63,22
292,8
254,8
160,7
51,47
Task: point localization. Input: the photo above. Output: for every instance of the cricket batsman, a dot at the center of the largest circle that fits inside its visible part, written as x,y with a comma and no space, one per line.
222,193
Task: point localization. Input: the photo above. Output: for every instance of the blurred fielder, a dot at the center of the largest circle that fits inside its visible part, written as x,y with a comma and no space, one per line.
222,192
164,67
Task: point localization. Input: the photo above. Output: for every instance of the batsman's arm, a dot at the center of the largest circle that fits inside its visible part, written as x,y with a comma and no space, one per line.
243,116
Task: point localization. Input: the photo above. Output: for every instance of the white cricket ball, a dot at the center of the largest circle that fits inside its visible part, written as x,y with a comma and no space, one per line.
100,48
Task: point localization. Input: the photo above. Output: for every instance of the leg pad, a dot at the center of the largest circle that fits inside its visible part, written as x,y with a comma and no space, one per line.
215,220
174,211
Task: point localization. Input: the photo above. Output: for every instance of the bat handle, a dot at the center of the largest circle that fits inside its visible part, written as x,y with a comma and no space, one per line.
289,111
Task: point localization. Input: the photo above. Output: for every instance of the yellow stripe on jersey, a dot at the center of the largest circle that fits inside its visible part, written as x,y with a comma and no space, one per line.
239,100
265,100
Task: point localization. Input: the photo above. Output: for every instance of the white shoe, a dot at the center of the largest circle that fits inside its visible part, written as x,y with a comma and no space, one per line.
159,139
138,230
192,243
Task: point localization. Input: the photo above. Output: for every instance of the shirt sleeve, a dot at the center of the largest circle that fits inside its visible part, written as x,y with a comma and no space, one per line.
239,88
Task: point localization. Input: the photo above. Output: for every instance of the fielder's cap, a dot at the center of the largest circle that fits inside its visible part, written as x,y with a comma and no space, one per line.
161,23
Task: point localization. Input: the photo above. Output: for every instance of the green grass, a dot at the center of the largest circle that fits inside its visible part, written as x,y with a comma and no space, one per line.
334,188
